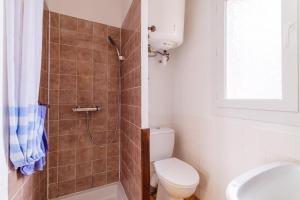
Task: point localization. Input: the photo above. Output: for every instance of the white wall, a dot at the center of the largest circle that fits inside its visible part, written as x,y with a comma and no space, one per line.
220,148
144,65
160,94
111,12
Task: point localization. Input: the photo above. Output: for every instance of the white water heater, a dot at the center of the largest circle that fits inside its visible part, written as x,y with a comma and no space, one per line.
167,18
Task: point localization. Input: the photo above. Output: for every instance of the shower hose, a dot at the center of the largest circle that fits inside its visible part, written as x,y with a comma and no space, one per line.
88,127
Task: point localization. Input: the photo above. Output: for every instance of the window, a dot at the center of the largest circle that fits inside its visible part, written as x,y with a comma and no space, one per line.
253,49
258,55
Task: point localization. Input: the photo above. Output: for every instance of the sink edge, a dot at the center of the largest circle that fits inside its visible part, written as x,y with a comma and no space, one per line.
234,186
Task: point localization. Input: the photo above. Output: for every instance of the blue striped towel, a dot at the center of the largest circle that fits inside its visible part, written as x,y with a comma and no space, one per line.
28,138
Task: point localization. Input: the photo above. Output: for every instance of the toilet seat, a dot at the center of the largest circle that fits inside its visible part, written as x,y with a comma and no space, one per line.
177,173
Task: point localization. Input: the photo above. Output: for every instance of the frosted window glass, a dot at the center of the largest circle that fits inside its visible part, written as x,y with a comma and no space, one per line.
253,49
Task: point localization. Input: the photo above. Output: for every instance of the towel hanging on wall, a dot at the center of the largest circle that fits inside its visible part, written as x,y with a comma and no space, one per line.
24,21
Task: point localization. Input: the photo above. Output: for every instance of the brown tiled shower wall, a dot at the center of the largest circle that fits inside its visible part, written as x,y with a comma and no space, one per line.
131,174
84,71
33,187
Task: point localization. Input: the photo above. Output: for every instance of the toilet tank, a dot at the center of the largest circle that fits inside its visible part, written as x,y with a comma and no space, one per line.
161,143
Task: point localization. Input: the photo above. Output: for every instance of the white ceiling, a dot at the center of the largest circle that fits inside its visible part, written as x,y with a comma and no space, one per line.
111,12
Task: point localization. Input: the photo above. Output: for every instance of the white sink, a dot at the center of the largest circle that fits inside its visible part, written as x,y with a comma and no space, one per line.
276,181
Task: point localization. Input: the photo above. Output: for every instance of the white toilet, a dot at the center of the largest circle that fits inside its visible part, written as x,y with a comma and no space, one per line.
176,179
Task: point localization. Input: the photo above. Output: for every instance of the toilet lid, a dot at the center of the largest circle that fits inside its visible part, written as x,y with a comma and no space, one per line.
177,172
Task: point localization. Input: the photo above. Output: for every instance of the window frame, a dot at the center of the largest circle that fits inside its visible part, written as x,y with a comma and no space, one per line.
290,72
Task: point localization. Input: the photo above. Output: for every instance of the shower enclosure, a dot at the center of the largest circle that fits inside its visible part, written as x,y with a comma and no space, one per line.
85,72
90,64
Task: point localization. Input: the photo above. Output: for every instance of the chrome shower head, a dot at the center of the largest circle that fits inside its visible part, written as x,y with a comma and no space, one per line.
112,43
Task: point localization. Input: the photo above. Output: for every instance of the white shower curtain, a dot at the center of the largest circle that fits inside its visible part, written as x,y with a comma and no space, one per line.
24,21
